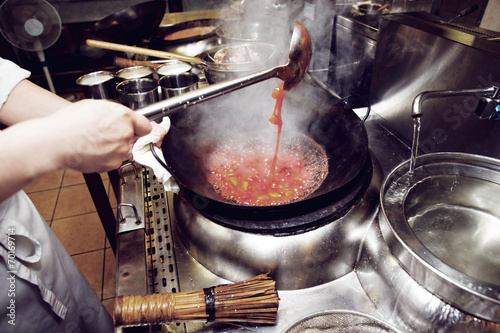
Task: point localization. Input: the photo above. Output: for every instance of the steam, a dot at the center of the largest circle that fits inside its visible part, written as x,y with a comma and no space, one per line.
241,115
244,113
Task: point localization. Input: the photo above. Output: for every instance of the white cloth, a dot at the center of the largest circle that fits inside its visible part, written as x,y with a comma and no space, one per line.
41,288
142,154
10,76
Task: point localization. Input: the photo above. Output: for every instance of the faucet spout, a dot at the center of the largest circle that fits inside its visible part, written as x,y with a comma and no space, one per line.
489,99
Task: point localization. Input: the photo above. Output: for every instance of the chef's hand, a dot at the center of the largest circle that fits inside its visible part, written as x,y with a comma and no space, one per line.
93,135
142,154
158,132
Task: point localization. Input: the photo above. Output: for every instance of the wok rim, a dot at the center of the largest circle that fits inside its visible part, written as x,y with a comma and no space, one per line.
332,105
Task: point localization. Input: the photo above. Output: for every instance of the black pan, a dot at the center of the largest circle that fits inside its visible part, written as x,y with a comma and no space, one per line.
130,25
191,46
242,115
164,32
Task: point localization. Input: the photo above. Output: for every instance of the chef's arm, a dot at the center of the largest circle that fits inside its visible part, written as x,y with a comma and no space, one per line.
27,101
87,136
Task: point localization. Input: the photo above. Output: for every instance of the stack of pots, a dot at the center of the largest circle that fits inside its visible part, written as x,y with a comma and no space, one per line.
139,86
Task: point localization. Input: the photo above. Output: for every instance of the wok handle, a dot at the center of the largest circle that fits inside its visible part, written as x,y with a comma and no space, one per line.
168,107
142,51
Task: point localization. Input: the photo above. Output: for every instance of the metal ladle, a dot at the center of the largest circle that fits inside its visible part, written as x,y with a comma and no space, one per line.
292,73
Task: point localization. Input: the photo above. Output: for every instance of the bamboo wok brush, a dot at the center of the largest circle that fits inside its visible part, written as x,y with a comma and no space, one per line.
253,301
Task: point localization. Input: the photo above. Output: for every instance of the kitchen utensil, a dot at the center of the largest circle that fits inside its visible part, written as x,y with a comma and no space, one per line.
98,85
242,116
143,51
188,38
441,224
31,25
215,72
464,12
242,31
341,321
172,67
369,8
130,25
254,301
137,93
292,73
400,299
228,61
123,63
189,31
135,72
177,84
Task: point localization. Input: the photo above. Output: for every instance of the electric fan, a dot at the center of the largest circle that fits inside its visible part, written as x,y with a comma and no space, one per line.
31,25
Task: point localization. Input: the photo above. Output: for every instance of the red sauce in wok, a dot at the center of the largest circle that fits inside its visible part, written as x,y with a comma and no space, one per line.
257,177
244,178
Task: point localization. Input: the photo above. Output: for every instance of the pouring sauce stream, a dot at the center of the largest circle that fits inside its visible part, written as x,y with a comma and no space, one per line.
276,119
255,176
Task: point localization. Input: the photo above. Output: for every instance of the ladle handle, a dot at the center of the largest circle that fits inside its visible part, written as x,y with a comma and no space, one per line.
177,103
142,51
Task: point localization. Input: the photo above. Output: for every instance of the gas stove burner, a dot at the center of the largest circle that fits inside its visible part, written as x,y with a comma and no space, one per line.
305,250
340,321
294,218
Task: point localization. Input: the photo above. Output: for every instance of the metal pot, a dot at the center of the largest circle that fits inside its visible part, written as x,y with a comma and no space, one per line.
368,12
241,32
264,56
243,115
369,9
439,270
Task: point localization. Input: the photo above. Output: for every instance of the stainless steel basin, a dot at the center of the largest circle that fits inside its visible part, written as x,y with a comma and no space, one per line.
442,223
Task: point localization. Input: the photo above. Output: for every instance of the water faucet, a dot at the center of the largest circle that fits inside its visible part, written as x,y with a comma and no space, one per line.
488,106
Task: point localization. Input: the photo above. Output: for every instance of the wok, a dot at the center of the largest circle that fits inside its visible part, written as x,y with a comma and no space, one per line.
187,45
130,25
197,131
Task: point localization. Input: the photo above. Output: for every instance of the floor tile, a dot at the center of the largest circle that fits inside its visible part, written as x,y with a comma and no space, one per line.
48,182
91,265
74,200
81,233
45,202
72,177
63,199
108,288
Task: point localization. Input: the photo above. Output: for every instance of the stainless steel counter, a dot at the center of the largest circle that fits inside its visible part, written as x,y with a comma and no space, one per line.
171,268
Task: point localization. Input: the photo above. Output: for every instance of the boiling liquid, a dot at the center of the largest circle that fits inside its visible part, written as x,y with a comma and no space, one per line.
256,176
244,177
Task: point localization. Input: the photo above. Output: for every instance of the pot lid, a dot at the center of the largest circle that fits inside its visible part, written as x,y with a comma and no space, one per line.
443,224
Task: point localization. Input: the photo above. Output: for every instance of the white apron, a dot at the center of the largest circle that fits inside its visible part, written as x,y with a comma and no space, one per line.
41,288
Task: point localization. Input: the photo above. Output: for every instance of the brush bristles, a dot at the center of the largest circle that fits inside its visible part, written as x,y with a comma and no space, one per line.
255,301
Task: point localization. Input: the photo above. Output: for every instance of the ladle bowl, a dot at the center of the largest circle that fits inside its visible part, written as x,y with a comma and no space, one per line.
292,73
